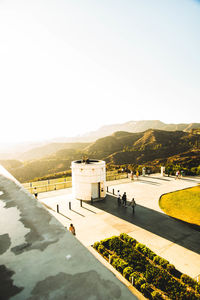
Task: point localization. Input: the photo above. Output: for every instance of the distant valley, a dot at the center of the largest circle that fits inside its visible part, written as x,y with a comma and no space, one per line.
151,147
40,149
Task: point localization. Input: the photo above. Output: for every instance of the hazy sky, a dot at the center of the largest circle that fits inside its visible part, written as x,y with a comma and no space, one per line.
68,67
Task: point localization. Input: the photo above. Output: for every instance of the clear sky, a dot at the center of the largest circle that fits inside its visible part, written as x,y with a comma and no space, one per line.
69,67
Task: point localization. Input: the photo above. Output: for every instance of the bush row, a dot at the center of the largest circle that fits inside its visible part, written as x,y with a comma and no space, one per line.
151,255
148,272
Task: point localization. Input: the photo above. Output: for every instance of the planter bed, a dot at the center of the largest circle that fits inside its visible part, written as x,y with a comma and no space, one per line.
151,274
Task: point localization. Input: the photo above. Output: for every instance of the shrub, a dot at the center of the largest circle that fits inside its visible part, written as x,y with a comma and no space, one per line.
101,249
197,288
188,295
170,268
146,289
151,273
188,280
139,281
127,272
176,273
105,243
119,264
116,245
146,251
106,254
133,277
113,257
160,261
96,245
125,237
157,295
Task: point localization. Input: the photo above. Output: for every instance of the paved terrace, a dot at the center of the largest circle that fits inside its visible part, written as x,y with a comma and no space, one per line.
172,239
40,260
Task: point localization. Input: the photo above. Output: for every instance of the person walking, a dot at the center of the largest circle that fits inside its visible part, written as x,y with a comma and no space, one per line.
132,175
124,198
35,192
118,198
133,204
72,229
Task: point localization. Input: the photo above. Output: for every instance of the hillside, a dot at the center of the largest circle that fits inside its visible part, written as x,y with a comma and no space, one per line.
121,148
37,150
151,147
46,150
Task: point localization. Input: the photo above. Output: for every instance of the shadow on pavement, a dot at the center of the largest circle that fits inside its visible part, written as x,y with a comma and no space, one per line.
159,178
89,209
176,231
190,180
148,182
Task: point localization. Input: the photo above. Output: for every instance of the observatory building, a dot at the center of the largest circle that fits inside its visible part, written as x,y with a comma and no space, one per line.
89,179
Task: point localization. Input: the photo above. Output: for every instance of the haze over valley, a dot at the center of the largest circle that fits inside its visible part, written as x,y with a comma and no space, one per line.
179,145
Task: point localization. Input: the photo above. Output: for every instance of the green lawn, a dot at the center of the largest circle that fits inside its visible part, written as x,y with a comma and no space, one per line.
183,205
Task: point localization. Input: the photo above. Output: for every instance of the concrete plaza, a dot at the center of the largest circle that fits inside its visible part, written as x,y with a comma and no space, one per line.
172,239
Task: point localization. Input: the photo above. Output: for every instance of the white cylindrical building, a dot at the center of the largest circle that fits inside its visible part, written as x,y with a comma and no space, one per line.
89,179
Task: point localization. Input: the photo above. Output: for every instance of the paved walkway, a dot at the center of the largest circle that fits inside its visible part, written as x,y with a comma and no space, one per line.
174,240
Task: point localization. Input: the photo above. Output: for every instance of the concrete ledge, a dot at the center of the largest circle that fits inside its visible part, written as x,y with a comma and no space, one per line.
40,260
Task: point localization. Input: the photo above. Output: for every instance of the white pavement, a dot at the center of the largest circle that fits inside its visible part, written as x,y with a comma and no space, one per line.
172,240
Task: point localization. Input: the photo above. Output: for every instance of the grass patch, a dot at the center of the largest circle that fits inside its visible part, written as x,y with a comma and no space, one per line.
183,205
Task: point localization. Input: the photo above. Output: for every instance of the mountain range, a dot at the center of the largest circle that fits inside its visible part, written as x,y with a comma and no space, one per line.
37,150
138,126
151,147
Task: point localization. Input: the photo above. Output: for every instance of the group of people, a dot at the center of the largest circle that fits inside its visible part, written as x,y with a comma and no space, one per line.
179,174
136,174
123,199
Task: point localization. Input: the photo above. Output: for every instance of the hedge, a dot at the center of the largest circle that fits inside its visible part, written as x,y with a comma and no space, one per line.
151,274
127,272
146,251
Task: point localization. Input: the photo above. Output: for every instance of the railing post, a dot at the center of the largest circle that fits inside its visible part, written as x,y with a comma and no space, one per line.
109,258
132,278
107,188
113,191
57,208
91,200
81,204
70,205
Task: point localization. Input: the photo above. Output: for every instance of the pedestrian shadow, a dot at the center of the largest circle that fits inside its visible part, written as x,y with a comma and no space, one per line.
159,178
148,182
190,180
176,231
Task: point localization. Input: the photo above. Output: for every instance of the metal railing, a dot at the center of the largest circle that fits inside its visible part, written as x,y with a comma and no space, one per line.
48,187
63,183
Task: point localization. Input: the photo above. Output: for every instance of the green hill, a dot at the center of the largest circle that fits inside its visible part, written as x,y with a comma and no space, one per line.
39,152
152,147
